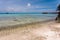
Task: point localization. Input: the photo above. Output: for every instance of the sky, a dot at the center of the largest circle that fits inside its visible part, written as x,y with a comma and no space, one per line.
28,5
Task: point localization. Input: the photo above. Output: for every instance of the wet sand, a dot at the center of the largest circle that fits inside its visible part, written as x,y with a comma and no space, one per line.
49,30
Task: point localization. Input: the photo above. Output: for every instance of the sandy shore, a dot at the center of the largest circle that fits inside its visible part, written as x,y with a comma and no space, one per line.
35,31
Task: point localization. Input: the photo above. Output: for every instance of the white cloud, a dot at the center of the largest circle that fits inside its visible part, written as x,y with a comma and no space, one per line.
16,8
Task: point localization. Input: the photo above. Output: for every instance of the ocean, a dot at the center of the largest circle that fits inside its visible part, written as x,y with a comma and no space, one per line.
37,16
24,18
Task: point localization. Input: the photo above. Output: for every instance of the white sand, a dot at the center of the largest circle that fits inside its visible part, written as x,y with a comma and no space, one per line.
44,31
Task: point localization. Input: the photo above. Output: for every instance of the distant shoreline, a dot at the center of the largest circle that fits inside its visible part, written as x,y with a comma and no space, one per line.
32,13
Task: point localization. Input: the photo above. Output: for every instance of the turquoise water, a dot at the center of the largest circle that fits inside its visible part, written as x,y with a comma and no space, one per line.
29,16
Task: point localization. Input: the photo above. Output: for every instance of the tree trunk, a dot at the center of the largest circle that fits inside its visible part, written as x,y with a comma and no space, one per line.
58,17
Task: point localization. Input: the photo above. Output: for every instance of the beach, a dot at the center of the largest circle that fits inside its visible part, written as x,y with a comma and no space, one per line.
49,30
29,27
29,19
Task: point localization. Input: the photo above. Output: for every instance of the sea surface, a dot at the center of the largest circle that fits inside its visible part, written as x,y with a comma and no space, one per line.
25,17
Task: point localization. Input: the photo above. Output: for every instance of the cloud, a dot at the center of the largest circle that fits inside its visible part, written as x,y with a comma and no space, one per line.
14,9
27,5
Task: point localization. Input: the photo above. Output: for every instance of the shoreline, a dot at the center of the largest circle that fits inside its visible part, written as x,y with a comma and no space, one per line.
22,25
47,30
11,29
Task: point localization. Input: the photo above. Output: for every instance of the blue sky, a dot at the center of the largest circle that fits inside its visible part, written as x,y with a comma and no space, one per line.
28,5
